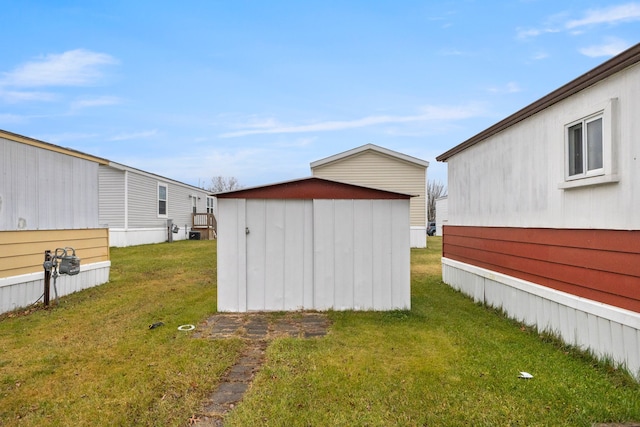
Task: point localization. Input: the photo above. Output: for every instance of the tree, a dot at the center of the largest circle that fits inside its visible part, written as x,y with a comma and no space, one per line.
224,183
435,190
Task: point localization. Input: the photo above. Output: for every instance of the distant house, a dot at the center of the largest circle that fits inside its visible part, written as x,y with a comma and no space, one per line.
442,214
543,212
48,200
313,244
140,207
378,167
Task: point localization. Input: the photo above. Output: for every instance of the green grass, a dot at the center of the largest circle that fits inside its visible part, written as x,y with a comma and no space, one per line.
92,360
448,362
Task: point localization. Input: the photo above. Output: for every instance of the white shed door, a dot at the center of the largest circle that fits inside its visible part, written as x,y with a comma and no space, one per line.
279,250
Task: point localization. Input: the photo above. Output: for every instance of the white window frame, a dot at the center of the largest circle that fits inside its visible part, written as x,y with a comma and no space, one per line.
210,201
607,111
166,200
584,123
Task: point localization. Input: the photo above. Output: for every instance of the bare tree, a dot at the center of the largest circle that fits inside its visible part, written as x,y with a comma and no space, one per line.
224,183
435,190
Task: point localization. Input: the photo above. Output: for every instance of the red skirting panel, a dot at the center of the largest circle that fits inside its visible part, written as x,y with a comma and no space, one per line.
601,265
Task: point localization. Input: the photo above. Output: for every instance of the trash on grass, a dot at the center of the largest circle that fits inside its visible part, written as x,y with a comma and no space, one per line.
525,375
155,325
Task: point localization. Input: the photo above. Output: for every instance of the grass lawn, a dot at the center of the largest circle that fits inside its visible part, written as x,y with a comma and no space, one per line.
93,360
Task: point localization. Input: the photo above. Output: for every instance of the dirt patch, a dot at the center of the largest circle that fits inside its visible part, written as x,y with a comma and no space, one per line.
257,329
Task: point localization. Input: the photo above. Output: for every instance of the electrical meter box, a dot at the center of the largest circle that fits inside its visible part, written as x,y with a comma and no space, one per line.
69,264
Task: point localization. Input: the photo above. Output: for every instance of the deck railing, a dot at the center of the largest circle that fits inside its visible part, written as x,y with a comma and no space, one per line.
203,220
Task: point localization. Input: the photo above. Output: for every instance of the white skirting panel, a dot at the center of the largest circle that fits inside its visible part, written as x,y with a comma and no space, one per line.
120,238
418,237
607,331
24,290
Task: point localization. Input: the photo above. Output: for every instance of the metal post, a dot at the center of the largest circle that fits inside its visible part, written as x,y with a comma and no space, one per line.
47,276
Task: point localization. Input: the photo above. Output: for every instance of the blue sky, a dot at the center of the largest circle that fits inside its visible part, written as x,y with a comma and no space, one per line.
259,89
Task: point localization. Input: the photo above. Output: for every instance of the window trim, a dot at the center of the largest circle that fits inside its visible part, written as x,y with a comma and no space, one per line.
584,122
607,174
210,201
166,200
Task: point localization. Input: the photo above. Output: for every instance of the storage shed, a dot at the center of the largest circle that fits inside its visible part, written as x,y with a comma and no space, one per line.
313,244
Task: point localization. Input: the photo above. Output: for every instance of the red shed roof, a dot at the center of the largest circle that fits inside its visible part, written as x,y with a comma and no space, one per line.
312,188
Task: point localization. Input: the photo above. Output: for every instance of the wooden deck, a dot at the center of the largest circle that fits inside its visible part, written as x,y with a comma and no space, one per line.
206,224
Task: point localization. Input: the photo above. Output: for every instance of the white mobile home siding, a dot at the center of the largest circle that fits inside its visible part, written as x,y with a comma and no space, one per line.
48,200
129,206
523,166
42,189
112,197
562,255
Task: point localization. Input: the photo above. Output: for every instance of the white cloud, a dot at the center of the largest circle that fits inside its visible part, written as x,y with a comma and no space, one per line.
609,15
540,55
611,47
11,118
14,96
78,67
428,113
134,135
524,33
95,102
511,87
297,143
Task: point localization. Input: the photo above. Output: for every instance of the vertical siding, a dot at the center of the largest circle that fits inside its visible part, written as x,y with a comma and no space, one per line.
112,196
512,179
342,258
279,254
232,268
605,330
320,254
42,189
378,170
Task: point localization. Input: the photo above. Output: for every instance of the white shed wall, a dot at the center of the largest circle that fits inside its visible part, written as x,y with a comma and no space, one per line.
319,255
522,167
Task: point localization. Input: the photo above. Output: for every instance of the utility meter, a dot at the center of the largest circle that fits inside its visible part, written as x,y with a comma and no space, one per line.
69,264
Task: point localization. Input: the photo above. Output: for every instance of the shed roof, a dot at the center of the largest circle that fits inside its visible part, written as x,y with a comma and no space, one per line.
618,63
312,188
370,147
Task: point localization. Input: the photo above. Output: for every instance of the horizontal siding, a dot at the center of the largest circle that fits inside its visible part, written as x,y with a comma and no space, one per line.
22,252
43,189
378,170
143,202
112,196
601,265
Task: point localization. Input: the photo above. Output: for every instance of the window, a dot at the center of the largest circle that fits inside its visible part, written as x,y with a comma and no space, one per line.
209,205
585,148
590,145
194,203
162,200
